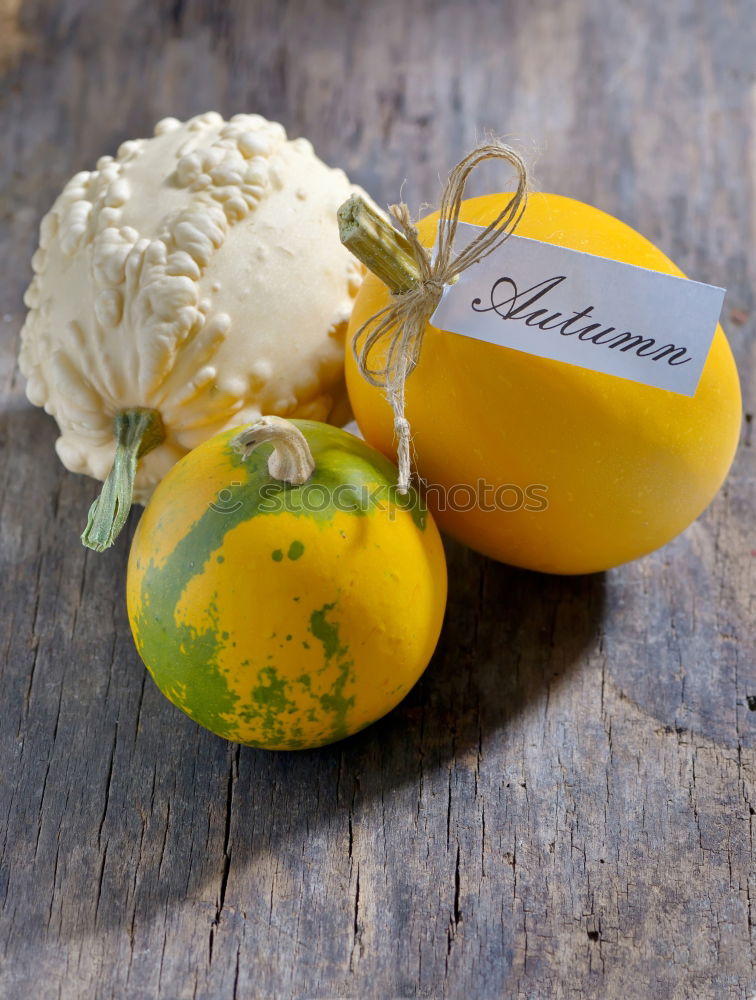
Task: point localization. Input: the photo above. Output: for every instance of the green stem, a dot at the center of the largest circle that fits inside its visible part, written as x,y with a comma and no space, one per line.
373,240
136,431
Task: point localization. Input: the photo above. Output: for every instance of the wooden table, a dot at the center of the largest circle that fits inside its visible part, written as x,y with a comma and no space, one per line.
564,806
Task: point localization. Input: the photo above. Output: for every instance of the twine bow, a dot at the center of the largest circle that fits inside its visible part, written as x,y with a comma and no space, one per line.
398,328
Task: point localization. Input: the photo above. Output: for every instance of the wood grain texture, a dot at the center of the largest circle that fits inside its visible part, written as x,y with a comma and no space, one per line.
564,807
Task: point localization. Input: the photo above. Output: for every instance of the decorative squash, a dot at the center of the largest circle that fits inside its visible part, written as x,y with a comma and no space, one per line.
279,606
188,284
613,469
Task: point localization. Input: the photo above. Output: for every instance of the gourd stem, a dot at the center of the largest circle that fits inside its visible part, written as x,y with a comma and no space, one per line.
136,431
291,459
373,240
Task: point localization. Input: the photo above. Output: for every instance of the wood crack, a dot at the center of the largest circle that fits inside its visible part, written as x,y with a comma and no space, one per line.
356,949
233,773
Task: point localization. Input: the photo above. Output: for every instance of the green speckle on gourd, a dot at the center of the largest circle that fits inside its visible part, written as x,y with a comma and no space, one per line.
334,701
326,631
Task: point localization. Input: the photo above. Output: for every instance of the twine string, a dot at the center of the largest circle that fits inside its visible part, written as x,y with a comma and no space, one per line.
397,330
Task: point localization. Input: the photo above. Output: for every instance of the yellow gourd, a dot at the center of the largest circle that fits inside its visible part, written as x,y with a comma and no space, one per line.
285,600
591,470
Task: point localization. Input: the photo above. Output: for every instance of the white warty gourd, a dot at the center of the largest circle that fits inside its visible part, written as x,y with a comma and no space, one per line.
198,273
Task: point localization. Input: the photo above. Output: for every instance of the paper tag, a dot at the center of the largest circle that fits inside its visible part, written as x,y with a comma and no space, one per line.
585,310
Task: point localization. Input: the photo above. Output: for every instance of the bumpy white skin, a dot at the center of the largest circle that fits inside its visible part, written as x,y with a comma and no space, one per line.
199,273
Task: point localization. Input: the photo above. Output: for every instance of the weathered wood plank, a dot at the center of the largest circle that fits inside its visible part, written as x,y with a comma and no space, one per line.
564,806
